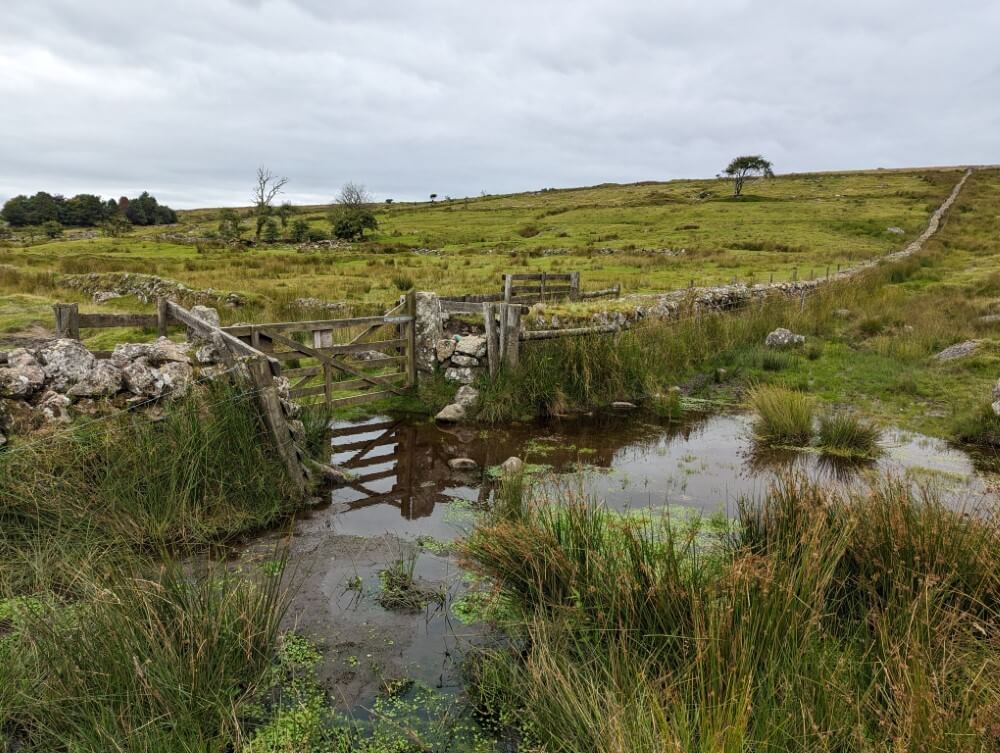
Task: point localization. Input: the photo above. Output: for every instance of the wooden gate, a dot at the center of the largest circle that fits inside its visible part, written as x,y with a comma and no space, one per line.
342,361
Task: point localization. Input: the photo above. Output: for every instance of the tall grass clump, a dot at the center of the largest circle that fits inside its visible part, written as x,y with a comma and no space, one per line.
784,416
862,621
203,473
847,435
140,661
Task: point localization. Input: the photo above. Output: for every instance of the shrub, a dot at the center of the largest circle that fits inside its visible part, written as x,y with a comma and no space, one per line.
784,417
979,427
299,231
529,231
847,435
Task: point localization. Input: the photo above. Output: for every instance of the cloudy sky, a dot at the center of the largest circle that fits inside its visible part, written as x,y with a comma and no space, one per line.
187,97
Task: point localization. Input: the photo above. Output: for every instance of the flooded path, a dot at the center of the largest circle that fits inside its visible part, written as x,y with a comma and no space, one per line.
405,504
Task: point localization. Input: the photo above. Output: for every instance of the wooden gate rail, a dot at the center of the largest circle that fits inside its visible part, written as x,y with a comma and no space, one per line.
331,358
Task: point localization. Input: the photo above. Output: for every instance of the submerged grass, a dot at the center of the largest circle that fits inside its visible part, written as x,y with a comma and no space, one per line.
858,622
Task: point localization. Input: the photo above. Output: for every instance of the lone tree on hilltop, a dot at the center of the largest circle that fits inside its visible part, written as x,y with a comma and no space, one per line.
268,186
746,168
353,213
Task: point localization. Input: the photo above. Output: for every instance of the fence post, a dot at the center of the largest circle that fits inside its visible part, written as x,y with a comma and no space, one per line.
162,316
507,284
492,338
67,320
618,289
795,274
511,347
274,419
541,287
574,285
411,339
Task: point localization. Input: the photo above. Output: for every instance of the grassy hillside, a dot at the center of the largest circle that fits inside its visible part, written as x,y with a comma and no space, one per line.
647,236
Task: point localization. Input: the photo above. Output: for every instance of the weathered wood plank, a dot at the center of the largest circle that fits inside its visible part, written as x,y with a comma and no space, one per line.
411,339
334,362
341,402
548,334
104,321
541,276
315,324
203,328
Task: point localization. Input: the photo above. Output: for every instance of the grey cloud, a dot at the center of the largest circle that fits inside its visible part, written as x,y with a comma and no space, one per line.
186,98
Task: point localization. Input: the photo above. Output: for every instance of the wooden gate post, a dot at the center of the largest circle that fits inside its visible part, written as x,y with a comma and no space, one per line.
67,320
574,285
508,282
162,317
274,419
492,338
513,341
411,339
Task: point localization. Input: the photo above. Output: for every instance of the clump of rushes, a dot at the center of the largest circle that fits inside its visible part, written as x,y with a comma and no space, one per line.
846,435
161,660
870,613
398,587
784,416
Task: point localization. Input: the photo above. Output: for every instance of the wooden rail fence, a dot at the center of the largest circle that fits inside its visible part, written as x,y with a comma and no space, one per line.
528,288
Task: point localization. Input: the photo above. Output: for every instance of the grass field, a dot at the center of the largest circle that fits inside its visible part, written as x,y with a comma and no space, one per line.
648,237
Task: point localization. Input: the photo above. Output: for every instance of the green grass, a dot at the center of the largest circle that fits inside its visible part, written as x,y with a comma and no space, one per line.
863,622
796,223
847,435
784,418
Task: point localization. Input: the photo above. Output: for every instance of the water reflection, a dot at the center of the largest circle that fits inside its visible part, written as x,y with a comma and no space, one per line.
402,481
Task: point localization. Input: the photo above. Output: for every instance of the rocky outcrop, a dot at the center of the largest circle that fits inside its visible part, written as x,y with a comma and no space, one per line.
958,350
62,377
783,338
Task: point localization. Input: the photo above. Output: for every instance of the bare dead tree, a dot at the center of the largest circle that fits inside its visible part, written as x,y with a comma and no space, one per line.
268,186
354,195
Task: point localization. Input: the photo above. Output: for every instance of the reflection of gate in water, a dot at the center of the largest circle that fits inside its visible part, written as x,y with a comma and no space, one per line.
394,463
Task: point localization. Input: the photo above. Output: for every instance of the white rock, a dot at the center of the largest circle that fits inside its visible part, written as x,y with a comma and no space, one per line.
55,407
958,350
207,314
451,414
141,379
466,396
125,353
66,362
512,466
22,375
175,377
463,374
622,405
104,380
471,345
167,351
783,338
444,349
103,296
429,329
460,360
463,464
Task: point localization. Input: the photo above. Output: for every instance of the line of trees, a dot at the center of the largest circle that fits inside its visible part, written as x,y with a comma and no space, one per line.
85,210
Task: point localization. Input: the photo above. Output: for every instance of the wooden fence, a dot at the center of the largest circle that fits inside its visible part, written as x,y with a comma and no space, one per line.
69,321
527,288
373,356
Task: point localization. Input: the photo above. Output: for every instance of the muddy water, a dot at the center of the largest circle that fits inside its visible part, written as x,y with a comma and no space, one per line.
404,484
405,500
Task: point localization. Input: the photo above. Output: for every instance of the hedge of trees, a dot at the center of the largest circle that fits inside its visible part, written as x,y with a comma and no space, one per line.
85,210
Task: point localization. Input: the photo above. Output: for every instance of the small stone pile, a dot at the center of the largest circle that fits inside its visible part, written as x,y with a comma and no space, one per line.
462,358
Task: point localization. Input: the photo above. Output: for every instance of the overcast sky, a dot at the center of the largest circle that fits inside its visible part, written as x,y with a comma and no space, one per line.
187,97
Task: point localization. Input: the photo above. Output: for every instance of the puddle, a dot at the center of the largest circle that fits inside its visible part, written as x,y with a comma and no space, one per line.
405,499
403,483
